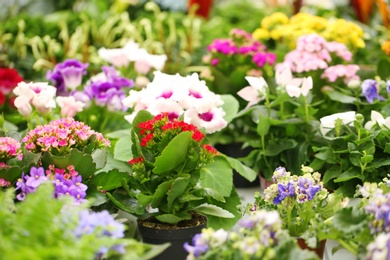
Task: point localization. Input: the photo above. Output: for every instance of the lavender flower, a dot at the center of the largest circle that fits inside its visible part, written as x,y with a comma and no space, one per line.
29,183
67,75
379,207
199,246
101,224
370,90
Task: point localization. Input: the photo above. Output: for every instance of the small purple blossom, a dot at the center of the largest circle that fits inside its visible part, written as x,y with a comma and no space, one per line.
306,187
379,207
284,191
370,90
29,183
67,74
199,246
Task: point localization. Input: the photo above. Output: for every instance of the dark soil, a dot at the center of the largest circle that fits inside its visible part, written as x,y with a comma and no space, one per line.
152,222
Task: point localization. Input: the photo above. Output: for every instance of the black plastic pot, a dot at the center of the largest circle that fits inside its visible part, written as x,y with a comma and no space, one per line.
169,234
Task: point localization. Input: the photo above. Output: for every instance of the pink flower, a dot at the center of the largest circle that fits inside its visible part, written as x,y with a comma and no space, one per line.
69,106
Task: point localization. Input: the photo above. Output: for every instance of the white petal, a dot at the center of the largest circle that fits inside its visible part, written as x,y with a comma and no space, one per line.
248,93
307,84
293,91
257,82
284,76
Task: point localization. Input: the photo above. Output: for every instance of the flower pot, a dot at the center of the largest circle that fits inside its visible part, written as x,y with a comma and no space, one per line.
318,250
154,232
264,183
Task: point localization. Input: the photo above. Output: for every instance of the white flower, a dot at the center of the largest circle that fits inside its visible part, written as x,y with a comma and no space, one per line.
218,238
255,92
22,103
117,57
294,89
211,121
328,122
135,53
69,106
377,118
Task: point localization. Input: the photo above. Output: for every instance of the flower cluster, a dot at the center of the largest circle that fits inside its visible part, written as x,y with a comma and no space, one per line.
154,134
105,89
61,135
179,96
39,95
298,199
230,59
259,236
66,182
101,224
279,27
9,78
9,148
313,53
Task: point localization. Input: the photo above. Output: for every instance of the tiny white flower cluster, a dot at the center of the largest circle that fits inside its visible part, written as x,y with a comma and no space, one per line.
179,96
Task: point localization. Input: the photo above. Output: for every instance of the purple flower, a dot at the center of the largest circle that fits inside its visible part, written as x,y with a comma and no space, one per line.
306,187
379,206
283,192
370,89
198,248
68,72
29,183
117,81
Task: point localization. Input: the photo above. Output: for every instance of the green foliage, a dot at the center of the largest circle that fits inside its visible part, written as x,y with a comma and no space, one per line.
42,227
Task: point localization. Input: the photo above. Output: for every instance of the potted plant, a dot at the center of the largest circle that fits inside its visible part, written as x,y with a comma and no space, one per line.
355,150
259,235
175,177
302,202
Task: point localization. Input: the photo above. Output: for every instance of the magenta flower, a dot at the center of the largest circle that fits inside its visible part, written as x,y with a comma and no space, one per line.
9,148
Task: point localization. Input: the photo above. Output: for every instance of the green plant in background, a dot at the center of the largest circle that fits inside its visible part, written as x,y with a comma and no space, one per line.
42,227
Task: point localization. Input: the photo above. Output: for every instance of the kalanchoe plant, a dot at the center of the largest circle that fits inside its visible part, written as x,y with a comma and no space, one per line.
299,200
65,142
259,236
175,173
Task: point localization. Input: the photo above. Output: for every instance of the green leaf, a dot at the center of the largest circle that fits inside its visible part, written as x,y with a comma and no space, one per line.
209,209
99,157
276,147
179,186
118,134
263,125
230,106
331,173
242,169
340,97
160,193
350,220
108,180
349,174
122,150
126,203
217,176
143,199
173,218
83,163
383,68
174,154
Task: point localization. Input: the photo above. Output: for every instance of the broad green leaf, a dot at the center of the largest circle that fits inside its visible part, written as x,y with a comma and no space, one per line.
331,173
83,163
126,203
242,169
174,154
108,180
209,209
350,220
99,157
160,193
118,134
230,106
173,218
276,147
349,174
143,199
217,176
340,97
178,187
122,150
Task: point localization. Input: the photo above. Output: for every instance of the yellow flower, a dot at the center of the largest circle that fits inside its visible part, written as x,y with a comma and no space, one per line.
274,20
261,34
386,47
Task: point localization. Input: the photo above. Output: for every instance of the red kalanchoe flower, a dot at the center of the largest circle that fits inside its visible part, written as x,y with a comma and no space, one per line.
211,149
9,78
136,160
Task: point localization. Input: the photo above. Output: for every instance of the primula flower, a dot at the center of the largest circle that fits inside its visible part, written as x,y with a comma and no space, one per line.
67,75
370,89
69,106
